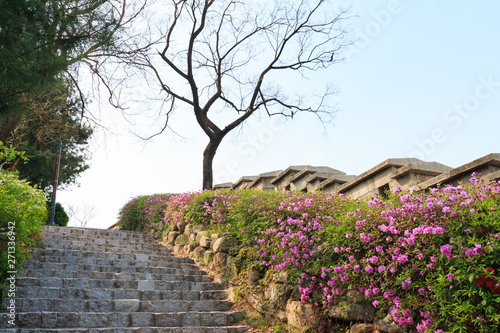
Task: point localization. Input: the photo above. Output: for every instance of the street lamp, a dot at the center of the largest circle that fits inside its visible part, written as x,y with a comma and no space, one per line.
56,177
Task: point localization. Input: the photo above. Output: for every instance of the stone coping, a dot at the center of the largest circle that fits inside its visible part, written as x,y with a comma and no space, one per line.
425,168
311,169
336,179
247,179
292,168
262,176
391,162
466,169
223,185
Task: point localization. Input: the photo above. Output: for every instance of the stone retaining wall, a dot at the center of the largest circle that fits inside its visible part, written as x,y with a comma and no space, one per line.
273,295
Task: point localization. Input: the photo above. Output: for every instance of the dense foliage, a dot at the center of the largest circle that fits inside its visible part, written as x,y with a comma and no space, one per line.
142,211
431,257
61,218
41,39
22,214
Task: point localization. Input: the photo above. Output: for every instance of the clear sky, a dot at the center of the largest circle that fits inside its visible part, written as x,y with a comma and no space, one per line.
422,80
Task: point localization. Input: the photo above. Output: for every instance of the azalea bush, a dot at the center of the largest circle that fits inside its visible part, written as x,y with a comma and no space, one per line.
143,211
430,257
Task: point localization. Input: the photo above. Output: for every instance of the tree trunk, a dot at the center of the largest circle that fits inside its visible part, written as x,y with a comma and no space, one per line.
208,158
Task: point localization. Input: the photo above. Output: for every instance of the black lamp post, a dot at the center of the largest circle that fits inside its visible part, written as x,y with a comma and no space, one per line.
56,177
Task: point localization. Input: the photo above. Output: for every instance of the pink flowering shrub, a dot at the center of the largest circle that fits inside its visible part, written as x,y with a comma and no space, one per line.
143,211
431,256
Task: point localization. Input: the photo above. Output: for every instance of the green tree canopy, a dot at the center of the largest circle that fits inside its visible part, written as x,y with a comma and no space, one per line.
54,115
42,43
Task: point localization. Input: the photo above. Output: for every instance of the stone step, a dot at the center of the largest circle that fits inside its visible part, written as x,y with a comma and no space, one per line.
120,319
167,275
193,294
123,248
57,282
116,305
165,262
90,232
99,240
58,253
187,329
90,287
93,234
31,264
93,280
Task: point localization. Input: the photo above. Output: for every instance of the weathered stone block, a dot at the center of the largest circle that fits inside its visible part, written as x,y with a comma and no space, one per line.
361,328
198,252
127,305
192,238
219,262
188,229
224,244
189,248
205,242
175,227
208,257
278,294
253,276
181,227
181,239
172,236
146,285
353,311
178,249
230,269
199,227
300,315
142,319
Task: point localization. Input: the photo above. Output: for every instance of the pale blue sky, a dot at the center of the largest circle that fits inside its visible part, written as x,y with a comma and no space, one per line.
422,80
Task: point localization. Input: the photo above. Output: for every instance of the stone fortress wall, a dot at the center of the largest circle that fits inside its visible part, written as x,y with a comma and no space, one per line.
407,173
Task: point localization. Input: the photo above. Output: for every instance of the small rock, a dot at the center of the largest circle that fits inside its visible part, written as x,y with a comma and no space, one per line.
300,315
188,229
208,257
205,242
181,239
230,270
175,227
181,227
219,261
172,236
189,248
199,227
253,276
178,249
278,294
198,253
353,311
192,238
224,244
361,328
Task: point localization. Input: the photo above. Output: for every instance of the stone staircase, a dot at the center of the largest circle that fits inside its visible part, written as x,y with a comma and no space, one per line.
93,280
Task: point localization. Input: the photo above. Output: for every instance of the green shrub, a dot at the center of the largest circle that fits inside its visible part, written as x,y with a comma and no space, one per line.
22,214
142,211
60,216
130,215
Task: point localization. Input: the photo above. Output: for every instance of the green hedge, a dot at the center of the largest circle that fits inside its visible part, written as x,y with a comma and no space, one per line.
22,214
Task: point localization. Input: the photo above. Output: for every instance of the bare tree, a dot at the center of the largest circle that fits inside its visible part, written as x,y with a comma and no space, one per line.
82,214
230,53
